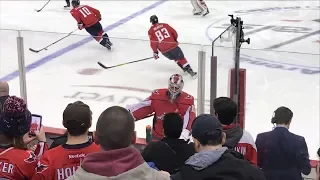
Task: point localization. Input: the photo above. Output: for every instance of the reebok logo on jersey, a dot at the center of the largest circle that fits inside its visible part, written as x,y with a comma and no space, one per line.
73,156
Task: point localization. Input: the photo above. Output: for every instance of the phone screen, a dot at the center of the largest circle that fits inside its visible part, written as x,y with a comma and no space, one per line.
35,123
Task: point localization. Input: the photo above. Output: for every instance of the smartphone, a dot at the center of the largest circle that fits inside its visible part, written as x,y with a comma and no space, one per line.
36,124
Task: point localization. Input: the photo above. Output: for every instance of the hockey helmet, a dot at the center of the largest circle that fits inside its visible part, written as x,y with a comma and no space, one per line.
154,19
175,86
75,3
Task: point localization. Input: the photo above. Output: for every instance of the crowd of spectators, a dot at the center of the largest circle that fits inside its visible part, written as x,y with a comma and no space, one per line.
217,148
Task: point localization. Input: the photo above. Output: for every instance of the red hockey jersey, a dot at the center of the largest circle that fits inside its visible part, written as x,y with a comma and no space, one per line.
162,37
246,145
86,15
158,104
61,162
18,164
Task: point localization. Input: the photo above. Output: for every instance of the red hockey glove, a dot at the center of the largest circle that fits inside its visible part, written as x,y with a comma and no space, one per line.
80,26
155,55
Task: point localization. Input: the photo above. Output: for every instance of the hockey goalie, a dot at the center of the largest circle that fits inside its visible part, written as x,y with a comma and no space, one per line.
199,7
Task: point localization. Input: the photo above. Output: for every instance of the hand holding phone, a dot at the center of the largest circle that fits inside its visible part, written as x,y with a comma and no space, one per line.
36,124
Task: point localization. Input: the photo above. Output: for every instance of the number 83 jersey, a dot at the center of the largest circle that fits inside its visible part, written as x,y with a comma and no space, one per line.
162,37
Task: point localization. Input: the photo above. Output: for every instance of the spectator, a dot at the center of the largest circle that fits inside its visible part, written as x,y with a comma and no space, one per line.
212,160
170,153
60,140
237,139
318,167
118,159
16,161
282,154
62,161
4,93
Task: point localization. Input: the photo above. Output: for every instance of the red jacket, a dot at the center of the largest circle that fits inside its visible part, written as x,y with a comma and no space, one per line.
86,15
61,162
158,104
18,164
162,37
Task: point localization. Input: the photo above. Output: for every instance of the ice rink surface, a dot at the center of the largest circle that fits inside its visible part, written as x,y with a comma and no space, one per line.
282,60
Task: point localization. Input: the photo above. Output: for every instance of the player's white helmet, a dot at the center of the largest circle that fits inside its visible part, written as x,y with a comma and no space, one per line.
175,86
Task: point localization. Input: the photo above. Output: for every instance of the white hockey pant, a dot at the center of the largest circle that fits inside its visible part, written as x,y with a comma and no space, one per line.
199,6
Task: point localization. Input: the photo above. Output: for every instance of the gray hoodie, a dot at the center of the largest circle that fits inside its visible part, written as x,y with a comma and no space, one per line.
120,164
203,159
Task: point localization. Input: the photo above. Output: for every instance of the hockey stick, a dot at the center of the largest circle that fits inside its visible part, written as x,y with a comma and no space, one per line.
45,48
38,10
105,67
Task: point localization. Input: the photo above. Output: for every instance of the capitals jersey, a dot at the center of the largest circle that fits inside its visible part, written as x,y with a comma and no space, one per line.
61,162
86,15
162,37
158,104
16,164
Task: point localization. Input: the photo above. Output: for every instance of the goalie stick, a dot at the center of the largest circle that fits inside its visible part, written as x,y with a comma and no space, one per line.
38,10
45,48
108,67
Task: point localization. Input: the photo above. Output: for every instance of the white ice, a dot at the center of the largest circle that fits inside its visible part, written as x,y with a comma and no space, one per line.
56,83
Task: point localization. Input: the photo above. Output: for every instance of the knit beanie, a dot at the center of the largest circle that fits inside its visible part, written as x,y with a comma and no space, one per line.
15,119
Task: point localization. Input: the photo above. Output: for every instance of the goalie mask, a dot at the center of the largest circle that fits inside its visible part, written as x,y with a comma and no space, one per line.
175,86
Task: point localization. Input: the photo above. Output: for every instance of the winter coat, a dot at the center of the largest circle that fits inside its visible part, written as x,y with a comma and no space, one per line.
219,164
120,164
168,154
282,155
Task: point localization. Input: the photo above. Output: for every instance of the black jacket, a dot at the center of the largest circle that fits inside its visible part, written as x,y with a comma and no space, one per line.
221,164
168,154
282,155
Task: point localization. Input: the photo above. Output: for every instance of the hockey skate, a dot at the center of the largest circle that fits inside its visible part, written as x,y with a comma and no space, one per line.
195,12
67,7
205,12
189,70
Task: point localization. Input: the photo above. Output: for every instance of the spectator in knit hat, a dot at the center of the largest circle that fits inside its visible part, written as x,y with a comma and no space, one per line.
212,160
170,153
4,93
16,162
118,159
238,139
77,118
282,154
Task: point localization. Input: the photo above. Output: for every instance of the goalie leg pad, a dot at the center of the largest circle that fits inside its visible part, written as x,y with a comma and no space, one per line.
202,4
196,8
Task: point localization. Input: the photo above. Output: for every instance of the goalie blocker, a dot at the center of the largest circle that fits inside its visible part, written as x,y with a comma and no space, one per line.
199,7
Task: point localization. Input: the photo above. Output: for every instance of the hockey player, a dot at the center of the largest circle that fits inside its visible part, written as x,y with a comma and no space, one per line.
164,38
199,7
162,101
88,17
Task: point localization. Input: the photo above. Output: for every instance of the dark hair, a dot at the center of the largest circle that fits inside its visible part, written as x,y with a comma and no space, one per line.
172,125
318,152
77,118
226,109
211,138
282,115
115,128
